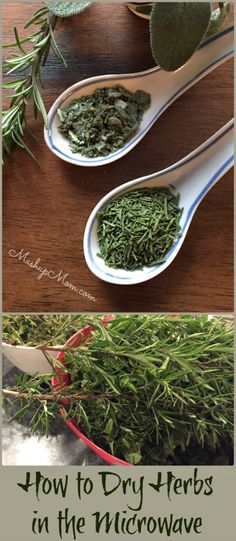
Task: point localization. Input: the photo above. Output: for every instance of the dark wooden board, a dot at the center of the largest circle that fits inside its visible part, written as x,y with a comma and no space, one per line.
45,207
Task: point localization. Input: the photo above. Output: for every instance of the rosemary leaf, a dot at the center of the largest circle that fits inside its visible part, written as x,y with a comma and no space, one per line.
25,89
139,228
150,389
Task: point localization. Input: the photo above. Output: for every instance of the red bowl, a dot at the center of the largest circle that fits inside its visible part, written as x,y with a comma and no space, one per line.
63,379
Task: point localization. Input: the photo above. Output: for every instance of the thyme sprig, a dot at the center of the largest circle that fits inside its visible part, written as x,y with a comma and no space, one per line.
28,66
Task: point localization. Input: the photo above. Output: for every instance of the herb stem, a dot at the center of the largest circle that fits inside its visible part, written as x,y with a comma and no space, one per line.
54,396
26,88
148,388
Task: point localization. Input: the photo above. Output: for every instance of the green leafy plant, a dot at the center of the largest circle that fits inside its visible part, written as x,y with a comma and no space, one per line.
178,28
27,86
66,9
28,65
176,31
148,388
40,330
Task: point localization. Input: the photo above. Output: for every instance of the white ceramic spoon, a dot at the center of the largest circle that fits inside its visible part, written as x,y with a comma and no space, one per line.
29,359
164,87
192,177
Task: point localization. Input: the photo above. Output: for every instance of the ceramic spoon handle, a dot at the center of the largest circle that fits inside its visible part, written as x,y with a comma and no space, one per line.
207,164
170,85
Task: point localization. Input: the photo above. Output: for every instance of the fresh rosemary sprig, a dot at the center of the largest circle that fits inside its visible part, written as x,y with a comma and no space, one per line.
27,65
148,388
41,331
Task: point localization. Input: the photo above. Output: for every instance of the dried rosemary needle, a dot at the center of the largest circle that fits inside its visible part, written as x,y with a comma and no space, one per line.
139,228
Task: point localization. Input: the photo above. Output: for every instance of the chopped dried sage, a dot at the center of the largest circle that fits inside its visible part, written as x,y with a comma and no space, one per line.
102,122
139,228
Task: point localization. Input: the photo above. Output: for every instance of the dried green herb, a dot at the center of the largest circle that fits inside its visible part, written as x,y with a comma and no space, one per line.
139,228
150,389
104,121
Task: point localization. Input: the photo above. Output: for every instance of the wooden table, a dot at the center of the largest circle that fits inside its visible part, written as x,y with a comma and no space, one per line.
46,206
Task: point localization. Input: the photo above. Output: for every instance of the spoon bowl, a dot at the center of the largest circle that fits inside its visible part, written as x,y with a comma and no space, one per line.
191,177
164,88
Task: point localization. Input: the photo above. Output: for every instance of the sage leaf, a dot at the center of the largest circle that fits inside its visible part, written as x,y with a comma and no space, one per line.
176,31
218,17
66,9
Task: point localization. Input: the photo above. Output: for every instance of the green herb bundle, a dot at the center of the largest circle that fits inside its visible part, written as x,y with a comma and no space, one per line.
102,122
33,330
139,228
28,66
150,389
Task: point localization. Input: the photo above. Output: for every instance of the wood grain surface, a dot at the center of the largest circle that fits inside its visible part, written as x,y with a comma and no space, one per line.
46,206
